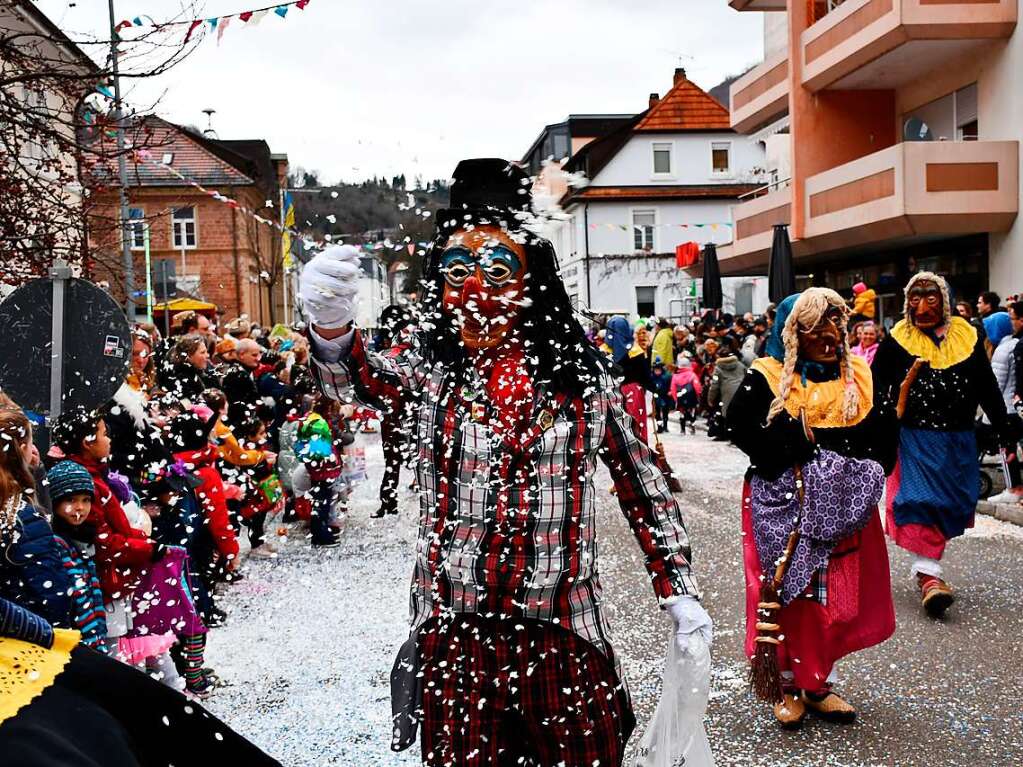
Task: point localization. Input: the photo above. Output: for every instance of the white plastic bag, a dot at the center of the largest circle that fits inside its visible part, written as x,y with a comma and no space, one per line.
675,736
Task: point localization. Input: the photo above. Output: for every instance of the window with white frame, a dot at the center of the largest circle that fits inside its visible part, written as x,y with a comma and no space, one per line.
183,228
646,301
137,228
720,157
662,159
643,223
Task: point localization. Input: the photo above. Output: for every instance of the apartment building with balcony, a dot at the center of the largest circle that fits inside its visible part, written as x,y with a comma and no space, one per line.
892,130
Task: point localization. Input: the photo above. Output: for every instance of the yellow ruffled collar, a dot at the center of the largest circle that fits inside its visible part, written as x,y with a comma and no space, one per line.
958,344
821,400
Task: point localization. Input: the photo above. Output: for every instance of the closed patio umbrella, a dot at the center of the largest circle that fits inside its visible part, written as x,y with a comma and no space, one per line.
712,297
781,281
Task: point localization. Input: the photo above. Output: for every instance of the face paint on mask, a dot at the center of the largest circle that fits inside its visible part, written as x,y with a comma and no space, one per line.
484,284
822,342
926,305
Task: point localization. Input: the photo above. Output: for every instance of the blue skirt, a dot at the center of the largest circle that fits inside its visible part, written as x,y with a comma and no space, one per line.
939,480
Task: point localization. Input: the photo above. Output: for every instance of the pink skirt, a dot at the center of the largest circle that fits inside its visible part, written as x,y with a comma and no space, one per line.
137,649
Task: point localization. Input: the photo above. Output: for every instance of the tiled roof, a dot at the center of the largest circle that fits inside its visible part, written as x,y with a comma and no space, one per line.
685,107
194,156
659,192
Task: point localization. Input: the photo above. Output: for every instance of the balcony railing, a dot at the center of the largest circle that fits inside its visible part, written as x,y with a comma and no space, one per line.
850,46
913,189
753,224
761,95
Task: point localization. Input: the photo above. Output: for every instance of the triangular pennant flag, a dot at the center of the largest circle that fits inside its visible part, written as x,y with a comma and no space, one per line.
258,16
191,29
245,16
223,25
213,22
301,4
122,25
281,10
105,91
137,21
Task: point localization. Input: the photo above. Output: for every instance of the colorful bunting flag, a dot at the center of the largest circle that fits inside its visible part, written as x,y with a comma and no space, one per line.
219,23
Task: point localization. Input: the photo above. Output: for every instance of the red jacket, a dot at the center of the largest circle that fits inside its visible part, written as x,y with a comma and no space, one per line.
203,463
122,552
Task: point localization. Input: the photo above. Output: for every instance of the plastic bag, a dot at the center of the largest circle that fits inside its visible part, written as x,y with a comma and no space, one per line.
675,736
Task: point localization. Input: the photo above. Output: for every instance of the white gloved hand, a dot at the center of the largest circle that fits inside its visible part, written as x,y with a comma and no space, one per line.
329,287
690,618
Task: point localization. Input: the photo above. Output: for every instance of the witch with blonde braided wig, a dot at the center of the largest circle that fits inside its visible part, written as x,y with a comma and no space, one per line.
817,581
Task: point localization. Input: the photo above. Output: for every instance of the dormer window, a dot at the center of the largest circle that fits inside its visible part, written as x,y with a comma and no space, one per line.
662,159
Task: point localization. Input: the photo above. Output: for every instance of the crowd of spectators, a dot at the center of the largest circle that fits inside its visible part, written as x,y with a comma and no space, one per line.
130,525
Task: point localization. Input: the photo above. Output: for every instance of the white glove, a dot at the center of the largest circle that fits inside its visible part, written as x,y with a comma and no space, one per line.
690,618
329,287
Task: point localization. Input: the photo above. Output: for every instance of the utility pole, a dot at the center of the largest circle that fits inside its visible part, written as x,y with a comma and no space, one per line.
285,277
122,171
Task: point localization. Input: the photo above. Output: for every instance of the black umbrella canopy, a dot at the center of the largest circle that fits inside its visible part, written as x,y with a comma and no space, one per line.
712,297
781,281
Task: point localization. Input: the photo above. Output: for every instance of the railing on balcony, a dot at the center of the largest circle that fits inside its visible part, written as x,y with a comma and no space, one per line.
911,189
760,191
761,95
853,34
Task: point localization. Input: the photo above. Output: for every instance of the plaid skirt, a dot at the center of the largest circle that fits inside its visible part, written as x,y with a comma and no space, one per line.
518,692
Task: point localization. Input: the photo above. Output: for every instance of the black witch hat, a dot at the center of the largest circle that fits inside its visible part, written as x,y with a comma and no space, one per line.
487,190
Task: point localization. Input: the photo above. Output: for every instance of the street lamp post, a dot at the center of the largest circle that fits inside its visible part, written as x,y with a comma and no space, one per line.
122,172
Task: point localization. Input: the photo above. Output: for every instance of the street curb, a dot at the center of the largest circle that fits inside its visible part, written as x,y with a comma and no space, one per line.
1006,513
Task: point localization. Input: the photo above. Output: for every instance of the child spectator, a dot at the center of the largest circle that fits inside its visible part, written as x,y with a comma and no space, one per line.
214,545
317,476
685,391
729,371
163,606
660,380
261,488
72,490
122,552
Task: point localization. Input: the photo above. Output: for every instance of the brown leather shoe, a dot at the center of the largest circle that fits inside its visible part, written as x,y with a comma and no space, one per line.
791,712
830,708
935,594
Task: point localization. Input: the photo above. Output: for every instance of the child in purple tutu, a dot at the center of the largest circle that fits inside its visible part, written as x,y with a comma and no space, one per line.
164,614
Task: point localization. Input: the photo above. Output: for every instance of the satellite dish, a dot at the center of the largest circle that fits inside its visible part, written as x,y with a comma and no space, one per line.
916,129
96,345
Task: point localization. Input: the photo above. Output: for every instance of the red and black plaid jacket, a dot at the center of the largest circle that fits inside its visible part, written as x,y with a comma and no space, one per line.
509,530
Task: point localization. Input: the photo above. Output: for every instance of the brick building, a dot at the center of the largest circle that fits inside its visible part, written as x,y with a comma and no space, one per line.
220,254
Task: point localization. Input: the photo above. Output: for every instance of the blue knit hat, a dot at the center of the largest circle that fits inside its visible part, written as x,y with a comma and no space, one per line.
68,478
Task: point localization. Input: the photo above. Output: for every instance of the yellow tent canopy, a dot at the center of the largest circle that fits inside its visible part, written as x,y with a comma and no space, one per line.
185,305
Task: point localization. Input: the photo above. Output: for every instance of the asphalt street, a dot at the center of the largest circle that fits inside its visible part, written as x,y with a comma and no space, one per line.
311,637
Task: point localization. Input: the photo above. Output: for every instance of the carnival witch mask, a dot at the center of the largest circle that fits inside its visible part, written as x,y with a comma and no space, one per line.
926,304
484,272
823,341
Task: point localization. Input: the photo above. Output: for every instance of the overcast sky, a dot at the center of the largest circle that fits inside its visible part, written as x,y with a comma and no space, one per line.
356,88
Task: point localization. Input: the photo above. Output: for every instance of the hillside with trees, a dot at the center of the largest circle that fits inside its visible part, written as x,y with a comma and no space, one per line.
377,210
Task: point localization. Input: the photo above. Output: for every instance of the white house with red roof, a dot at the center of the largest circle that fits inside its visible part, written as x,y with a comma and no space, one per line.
666,177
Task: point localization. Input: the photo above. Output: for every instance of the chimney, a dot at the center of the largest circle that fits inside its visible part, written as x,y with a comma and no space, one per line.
654,98
680,75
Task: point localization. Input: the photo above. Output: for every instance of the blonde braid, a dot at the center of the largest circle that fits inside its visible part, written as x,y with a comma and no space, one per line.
808,310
